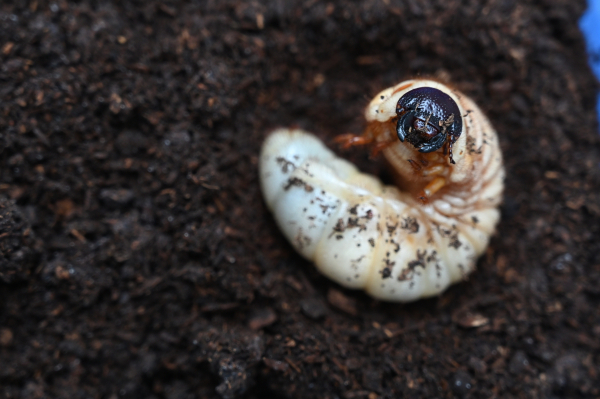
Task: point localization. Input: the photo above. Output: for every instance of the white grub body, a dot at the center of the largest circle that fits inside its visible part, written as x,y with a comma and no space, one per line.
365,235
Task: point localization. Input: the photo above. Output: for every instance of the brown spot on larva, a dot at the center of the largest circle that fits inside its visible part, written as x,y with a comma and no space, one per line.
441,230
294,181
409,272
454,241
388,263
471,146
286,165
338,228
372,242
302,240
475,219
324,208
312,217
410,224
419,261
369,214
432,257
353,222
391,228
354,262
353,210
339,237
386,273
452,235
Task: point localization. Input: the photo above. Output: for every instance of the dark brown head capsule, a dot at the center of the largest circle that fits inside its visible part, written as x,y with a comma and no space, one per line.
427,117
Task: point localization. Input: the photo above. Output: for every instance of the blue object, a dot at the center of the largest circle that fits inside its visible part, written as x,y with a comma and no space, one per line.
590,26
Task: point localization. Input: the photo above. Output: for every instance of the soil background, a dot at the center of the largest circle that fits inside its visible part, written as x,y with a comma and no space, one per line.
137,259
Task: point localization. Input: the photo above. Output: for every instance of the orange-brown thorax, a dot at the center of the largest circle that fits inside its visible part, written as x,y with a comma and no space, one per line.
421,174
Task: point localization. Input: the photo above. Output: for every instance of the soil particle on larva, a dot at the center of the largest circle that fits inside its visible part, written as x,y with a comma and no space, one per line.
409,223
297,182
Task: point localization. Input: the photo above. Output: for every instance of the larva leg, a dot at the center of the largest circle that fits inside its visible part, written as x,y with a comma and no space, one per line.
377,136
434,186
435,167
349,140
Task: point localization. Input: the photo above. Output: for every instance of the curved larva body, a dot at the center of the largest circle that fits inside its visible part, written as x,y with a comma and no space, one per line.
365,235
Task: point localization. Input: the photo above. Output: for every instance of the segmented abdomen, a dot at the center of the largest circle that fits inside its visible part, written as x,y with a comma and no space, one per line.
363,234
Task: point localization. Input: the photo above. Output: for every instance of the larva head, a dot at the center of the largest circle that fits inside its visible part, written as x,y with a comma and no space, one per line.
427,117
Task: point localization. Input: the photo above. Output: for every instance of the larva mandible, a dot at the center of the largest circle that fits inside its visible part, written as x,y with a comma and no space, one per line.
397,243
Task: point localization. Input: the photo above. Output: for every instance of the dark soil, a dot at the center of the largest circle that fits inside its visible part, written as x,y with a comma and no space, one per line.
139,261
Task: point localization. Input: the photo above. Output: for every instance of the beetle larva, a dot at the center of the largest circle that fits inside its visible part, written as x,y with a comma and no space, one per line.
396,244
